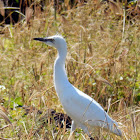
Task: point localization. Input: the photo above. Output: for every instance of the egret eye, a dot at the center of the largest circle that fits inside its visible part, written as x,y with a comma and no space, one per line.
50,39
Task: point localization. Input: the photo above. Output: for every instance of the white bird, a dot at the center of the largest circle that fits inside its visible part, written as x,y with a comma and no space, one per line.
85,112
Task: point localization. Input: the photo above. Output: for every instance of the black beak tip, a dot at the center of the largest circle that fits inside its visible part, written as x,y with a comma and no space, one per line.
44,39
39,39
35,38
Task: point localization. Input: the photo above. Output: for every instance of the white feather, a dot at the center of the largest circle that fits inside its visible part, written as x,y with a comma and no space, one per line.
85,111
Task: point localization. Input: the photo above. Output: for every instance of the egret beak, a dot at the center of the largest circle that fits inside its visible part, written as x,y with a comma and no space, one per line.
44,39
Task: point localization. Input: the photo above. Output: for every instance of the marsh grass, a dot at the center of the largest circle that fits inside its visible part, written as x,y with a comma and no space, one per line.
97,49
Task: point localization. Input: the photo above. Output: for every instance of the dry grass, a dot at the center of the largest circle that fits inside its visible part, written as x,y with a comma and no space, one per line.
97,49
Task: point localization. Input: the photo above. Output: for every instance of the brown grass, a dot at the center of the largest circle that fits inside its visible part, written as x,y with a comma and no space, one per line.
97,47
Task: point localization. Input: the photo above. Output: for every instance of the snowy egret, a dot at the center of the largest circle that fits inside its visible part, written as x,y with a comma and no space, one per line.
85,112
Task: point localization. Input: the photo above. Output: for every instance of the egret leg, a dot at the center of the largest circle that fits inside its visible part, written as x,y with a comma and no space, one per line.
73,127
85,129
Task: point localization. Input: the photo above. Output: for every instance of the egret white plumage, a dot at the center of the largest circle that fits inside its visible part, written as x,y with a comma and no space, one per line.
85,112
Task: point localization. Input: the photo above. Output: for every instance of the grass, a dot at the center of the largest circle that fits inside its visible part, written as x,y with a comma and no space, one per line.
98,49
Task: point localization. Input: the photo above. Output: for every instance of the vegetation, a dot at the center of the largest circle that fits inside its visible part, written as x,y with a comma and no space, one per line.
102,44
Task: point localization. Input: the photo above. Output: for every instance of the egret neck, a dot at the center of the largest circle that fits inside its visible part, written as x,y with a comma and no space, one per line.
60,76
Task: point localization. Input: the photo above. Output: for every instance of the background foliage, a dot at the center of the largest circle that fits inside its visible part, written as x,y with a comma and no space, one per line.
103,43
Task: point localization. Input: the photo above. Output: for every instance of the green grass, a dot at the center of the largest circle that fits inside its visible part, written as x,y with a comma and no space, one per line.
97,49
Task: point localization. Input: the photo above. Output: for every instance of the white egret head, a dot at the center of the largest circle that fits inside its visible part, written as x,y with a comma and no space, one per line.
56,41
